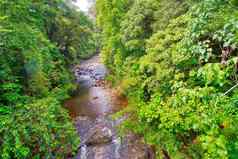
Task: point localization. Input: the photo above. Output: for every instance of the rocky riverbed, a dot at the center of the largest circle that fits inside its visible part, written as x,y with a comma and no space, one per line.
90,109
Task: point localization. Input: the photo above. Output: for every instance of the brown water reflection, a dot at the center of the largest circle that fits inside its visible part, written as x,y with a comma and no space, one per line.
95,102
95,98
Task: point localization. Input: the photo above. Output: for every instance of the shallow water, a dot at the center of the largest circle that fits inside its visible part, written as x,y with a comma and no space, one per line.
90,108
94,98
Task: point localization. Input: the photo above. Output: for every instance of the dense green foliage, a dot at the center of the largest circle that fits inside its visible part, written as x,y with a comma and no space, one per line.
176,60
39,40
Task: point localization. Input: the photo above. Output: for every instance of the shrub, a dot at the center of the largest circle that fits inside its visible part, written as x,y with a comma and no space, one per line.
41,129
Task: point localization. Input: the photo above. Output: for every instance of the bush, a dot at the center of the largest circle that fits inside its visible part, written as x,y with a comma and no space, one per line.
178,60
38,40
41,129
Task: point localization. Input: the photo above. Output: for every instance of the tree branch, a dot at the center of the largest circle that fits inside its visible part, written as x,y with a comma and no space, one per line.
230,89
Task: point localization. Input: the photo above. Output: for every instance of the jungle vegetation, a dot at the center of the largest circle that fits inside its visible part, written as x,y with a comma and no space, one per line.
39,41
177,62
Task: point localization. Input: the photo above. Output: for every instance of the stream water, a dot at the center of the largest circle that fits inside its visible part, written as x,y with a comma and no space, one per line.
90,109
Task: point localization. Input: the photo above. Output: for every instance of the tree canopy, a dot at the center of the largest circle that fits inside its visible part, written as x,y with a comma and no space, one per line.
175,61
39,41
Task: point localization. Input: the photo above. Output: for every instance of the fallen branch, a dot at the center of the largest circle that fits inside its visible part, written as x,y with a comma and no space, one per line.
230,89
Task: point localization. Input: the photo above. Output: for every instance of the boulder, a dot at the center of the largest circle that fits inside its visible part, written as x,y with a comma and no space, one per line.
99,134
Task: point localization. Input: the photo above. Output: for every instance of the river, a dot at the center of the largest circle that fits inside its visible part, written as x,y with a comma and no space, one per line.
91,108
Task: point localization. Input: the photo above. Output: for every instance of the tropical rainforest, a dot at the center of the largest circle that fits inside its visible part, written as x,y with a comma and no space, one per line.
175,60
39,42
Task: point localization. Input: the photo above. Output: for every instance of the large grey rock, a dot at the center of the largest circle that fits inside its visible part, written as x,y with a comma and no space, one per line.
99,134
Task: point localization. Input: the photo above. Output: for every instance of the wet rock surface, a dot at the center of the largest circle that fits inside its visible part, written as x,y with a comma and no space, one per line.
99,134
91,110
101,141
